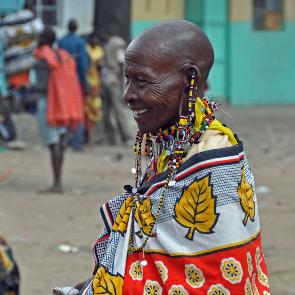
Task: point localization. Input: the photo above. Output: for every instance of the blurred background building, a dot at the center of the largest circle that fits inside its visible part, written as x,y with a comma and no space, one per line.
253,39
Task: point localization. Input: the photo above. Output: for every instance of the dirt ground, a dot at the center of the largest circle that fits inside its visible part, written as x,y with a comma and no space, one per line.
36,225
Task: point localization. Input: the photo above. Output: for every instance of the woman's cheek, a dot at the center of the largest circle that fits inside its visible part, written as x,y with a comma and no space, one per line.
158,94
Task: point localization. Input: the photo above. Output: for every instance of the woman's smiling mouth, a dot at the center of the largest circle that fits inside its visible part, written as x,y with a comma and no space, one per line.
139,113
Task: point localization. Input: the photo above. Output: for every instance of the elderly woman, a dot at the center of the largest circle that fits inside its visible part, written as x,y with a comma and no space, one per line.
189,225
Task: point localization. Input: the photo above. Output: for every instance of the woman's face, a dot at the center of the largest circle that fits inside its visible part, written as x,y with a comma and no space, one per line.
153,88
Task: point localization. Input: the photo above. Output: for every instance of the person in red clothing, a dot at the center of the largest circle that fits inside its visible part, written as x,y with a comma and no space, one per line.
60,104
76,46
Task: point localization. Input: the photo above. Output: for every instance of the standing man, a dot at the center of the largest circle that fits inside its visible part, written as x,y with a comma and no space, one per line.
76,46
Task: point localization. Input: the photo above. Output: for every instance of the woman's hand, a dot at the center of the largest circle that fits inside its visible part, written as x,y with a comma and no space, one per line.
65,291
78,289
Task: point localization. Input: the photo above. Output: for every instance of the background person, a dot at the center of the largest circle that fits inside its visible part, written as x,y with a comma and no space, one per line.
60,104
114,120
76,46
9,272
93,104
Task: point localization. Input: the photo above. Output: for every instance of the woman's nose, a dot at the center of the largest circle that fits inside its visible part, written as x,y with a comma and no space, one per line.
130,94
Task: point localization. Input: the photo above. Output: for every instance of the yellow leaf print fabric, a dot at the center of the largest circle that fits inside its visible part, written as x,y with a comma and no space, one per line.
195,209
246,194
144,215
121,222
105,283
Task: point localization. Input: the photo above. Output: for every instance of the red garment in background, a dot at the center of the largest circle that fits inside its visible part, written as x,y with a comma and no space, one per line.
19,79
65,102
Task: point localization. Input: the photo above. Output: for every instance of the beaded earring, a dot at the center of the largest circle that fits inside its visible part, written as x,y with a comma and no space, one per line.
185,126
192,95
148,145
137,153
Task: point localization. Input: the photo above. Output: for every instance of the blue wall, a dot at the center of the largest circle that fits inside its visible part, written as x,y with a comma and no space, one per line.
262,65
7,6
212,17
251,67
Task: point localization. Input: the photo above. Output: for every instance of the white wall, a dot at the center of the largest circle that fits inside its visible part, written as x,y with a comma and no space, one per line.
82,10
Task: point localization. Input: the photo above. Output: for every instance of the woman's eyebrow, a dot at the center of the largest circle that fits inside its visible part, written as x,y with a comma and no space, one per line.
138,71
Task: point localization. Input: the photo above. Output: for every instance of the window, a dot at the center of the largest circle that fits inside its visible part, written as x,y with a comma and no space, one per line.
45,9
268,15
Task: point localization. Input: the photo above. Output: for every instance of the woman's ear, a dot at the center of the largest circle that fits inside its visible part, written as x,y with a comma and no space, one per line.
190,71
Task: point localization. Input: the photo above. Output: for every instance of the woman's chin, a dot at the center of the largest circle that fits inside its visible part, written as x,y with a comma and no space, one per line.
146,128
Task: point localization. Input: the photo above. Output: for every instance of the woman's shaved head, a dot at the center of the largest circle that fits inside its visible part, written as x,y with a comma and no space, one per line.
181,40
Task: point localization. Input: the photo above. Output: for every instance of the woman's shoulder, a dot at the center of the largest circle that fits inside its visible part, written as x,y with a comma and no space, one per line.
211,139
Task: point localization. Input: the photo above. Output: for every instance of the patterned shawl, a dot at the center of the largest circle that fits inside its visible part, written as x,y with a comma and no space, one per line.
207,237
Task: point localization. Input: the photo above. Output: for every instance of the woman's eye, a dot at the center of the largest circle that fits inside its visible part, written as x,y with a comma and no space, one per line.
141,80
126,79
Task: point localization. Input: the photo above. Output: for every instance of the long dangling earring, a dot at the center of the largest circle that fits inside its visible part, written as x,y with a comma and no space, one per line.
192,95
148,145
185,124
137,153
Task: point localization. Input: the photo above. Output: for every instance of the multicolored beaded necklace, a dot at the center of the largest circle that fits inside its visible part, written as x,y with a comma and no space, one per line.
168,147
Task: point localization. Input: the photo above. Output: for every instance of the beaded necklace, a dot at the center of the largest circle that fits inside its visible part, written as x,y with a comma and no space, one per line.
170,146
